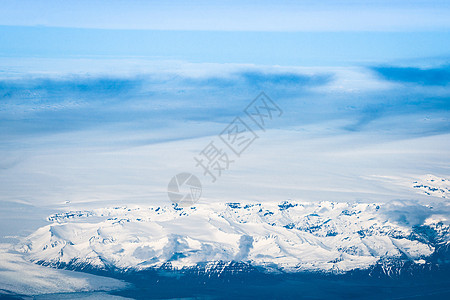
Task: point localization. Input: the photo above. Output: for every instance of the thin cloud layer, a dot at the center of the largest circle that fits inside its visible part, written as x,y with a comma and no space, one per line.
76,102
41,105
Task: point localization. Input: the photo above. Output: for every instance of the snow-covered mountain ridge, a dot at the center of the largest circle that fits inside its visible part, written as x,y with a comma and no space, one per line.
285,236
433,186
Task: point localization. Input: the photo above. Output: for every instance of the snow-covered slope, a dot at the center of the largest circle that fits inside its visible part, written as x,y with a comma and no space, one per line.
285,236
433,186
18,276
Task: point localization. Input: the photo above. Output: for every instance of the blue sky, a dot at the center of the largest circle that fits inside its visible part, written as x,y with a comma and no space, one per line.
232,15
270,48
261,32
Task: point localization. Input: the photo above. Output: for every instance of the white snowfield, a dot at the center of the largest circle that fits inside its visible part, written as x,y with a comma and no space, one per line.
286,236
24,278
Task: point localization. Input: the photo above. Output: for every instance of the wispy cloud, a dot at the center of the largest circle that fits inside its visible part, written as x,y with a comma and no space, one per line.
33,105
74,102
429,77
412,213
418,93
